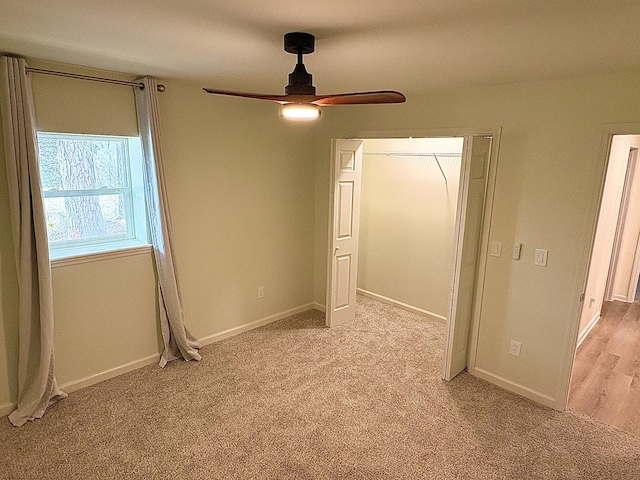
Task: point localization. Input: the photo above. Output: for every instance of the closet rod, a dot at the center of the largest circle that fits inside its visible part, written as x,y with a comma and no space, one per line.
408,154
415,154
140,85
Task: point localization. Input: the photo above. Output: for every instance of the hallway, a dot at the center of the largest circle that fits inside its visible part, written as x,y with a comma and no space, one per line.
606,376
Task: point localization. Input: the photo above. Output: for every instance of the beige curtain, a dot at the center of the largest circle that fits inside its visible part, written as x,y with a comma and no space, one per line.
178,342
37,388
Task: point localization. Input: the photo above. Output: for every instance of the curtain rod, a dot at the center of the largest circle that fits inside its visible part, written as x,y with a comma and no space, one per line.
161,88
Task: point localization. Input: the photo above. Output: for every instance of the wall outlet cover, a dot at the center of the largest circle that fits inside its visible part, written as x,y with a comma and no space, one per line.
496,249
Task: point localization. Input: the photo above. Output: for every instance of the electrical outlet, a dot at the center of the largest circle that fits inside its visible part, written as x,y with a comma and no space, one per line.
260,292
514,348
540,257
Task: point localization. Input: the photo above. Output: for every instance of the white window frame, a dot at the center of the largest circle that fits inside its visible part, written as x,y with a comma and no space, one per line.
135,204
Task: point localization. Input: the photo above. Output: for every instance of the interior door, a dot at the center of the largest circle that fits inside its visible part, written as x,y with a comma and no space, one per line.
468,232
344,223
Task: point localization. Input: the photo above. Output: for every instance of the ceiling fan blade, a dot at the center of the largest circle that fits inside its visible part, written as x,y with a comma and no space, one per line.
360,98
257,96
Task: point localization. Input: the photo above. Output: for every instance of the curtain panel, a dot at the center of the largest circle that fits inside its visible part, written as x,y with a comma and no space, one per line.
37,387
178,342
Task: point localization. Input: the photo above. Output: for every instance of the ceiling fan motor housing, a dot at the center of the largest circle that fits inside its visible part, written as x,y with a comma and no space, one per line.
300,81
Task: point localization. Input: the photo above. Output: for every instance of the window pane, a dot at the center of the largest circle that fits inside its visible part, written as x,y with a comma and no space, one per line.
86,217
77,164
93,192
110,164
49,169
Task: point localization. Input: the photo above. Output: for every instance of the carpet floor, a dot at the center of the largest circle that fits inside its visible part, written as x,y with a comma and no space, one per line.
294,399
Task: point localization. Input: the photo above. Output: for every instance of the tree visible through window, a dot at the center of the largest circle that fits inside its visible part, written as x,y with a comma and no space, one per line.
88,188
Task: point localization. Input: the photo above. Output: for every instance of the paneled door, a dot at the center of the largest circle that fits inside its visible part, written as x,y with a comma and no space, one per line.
471,202
344,224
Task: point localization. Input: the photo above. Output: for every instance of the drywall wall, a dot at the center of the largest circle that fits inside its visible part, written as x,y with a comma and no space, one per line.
407,221
605,234
548,177
240,184
240,187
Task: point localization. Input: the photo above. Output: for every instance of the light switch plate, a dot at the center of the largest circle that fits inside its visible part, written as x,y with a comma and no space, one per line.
496,249
540,257
517,248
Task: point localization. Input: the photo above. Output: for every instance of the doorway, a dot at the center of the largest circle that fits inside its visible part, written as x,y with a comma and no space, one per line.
407,222
605,378
472,218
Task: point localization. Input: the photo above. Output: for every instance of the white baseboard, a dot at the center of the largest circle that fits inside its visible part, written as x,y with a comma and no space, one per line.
588,328
75,385
216,337
106,375
6,409
320,307
404,306
621,298
516,388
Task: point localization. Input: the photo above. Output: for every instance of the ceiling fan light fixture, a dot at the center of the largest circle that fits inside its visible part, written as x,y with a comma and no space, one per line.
300,111
300,102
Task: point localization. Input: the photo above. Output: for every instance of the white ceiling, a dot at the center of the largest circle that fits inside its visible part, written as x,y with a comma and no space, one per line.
407,45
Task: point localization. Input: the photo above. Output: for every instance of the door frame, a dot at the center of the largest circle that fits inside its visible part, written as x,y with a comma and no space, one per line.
635,272
602,163
482,252
622,218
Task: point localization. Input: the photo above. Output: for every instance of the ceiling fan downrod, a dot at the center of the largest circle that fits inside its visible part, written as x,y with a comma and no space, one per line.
300,81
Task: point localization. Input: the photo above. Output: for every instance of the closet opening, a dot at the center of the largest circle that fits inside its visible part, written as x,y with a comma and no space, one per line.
408,225
408,202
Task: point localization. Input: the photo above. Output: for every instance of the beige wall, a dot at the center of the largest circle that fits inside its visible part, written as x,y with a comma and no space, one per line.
547,180
407,222
605,233
240,186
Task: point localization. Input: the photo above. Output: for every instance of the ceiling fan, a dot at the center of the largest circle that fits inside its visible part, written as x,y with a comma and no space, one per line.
300,100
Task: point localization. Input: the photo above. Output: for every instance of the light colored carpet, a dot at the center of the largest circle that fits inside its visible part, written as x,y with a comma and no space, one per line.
297,400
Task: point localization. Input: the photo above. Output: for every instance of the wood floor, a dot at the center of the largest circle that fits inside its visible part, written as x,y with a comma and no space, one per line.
606,375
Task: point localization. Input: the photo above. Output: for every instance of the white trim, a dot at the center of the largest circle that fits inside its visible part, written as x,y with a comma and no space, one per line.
98,256
588,328
106,375
404,306
620,227
620,298
6,409
483,247
75,385
216,337
516,388
319,307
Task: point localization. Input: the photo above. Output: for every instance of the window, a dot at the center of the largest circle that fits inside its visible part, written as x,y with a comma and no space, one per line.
93,193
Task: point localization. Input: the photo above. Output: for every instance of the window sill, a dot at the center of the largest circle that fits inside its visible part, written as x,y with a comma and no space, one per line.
62,258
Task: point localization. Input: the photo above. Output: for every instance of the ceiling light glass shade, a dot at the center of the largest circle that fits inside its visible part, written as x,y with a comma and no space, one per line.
298,111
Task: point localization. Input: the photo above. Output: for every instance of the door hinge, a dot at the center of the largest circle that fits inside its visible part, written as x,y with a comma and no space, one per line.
582,297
